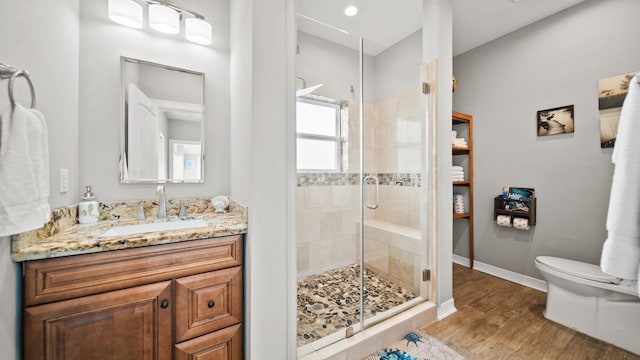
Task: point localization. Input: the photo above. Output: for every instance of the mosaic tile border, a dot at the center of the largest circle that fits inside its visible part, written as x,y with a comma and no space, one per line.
333,179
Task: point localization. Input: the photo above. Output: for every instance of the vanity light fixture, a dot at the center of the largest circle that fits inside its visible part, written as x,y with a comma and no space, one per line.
126,12
163,17
197,30
351,10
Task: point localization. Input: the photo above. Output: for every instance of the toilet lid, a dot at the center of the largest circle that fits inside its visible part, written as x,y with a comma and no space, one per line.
579,269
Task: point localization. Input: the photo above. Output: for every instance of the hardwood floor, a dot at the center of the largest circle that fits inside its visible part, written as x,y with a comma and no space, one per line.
498,319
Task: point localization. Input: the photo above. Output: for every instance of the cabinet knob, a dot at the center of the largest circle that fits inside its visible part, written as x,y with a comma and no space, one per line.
211,304
164,304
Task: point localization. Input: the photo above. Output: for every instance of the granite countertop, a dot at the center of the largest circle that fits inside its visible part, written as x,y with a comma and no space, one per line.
63,236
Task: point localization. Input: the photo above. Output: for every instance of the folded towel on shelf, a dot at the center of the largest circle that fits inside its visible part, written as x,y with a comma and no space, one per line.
24,171
457,173
459,142
621,251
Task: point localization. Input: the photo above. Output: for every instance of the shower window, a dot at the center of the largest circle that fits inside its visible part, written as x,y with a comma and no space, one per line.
319,125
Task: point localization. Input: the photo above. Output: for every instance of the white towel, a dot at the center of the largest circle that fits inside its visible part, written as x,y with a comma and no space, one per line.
621,250
459,142
24,171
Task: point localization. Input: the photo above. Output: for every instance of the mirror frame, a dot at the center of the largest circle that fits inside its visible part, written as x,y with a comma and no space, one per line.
123,129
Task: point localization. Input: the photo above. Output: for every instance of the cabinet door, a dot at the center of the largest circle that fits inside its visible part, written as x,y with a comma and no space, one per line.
208,302
225,344
127,324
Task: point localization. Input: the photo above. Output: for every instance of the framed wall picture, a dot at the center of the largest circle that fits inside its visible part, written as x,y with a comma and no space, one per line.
611,94
555,121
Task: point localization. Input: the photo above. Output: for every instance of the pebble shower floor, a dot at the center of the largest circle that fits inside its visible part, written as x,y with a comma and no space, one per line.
330,301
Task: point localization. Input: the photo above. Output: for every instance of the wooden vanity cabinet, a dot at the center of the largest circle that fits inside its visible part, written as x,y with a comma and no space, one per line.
174,301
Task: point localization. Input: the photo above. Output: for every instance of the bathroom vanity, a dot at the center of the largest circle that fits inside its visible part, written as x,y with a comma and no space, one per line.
166,295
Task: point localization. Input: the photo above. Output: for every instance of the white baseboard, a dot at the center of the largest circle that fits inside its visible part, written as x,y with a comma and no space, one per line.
446,308
509,275
461,260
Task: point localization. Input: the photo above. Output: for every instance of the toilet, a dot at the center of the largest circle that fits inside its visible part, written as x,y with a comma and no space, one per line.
582,297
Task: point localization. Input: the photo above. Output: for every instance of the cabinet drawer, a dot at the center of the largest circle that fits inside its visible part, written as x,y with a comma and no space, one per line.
208,302
74,276
225,344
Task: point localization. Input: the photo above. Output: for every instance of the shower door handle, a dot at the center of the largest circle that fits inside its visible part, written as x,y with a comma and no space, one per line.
365,182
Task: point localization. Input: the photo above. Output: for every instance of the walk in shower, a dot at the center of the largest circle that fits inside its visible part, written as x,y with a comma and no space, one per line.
361,195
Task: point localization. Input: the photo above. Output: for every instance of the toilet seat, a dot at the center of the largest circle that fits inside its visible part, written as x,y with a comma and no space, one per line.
578,269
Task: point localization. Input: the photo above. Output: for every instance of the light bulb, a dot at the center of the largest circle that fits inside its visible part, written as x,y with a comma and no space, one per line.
198,31
351,10
164,19
126,12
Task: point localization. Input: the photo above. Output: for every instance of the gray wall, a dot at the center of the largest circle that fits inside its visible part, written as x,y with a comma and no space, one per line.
557,61
43,39
31,31
102,42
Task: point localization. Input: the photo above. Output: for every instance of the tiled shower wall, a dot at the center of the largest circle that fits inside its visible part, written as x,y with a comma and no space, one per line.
328,203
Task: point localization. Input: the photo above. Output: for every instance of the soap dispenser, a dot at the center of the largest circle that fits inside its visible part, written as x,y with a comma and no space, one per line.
88,211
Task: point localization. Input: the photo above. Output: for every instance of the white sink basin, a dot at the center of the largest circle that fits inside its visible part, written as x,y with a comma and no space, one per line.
152,227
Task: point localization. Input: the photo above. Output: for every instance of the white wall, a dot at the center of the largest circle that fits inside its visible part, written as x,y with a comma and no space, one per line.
437,45
397,69
557,61
102,42
10,313
263,73
337,67
41,37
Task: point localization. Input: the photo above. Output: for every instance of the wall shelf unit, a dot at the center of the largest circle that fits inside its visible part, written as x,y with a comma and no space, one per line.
530,215
463,156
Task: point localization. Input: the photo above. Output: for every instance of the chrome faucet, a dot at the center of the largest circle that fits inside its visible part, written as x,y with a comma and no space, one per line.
183,212
162,203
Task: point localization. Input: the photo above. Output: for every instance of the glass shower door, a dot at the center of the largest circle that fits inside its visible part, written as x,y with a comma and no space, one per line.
328,186
394,250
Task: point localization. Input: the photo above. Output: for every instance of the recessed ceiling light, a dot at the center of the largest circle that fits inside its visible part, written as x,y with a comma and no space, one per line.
350,10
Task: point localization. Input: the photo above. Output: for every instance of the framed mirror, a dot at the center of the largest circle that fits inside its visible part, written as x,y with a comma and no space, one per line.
162,123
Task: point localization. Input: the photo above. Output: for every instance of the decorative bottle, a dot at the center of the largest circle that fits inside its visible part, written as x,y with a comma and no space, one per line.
88,211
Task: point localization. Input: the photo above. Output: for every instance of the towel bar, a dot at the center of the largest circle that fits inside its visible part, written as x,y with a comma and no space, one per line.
9,72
